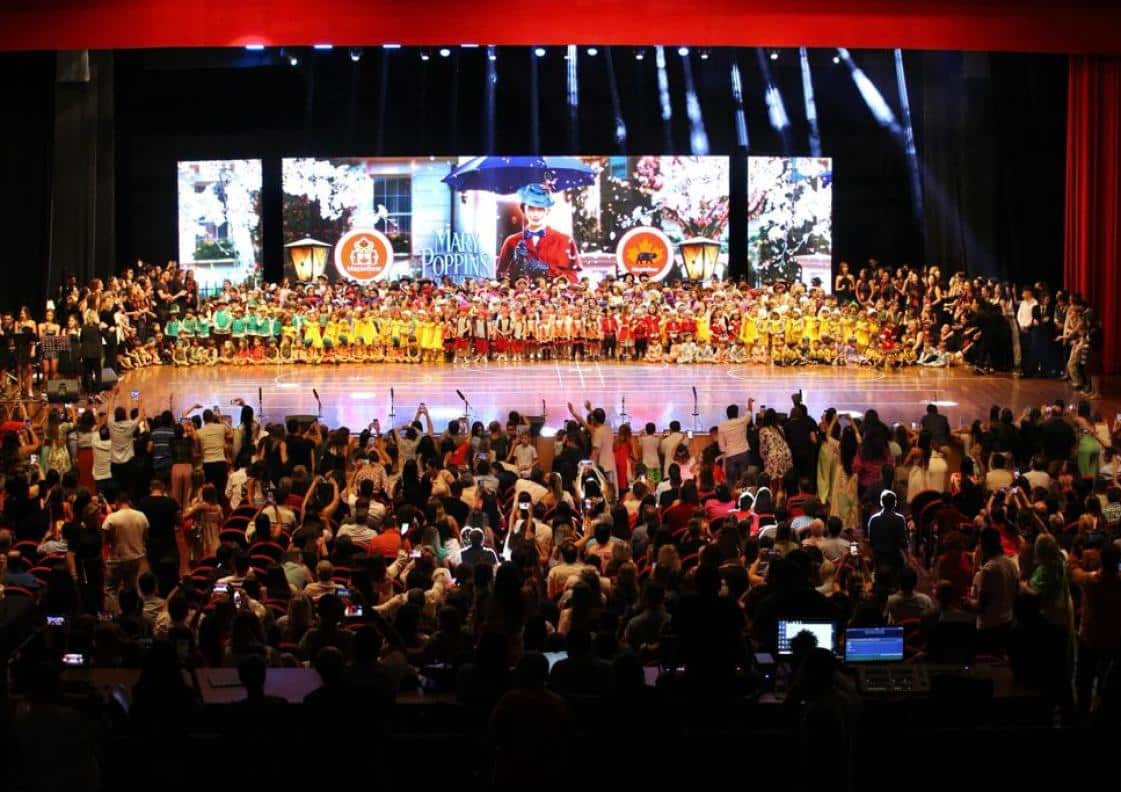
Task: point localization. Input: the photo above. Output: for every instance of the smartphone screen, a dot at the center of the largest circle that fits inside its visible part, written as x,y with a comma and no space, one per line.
56,621
73,659
342,591
135,395
404,528
221,588
854,549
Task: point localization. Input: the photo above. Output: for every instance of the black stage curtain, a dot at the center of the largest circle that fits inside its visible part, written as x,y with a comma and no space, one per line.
83,180
26,81
991,141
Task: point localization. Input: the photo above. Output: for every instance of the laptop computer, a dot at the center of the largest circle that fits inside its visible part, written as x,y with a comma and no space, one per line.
824,631
873,644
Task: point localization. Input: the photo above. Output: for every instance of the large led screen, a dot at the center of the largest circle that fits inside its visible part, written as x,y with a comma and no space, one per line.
790,218
368,219
220,220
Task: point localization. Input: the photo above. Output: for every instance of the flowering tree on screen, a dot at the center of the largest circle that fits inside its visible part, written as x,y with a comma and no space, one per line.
790,203
220,214
321,197
688,195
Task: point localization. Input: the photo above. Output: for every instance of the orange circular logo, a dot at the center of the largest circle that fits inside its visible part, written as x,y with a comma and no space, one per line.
644,250
363,255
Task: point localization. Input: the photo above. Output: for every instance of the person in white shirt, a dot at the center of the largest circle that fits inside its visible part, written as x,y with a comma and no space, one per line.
1038,477
732,440
214,439
235,487
603,450
1028,356
998,476
102,470
668,447
648,448
524,455
122,432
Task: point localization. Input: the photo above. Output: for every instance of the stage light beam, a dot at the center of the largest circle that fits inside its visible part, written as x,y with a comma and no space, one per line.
811,105
909,141
573,86
445,52
871,95
616,104
698,135
737,101
776,108
664,98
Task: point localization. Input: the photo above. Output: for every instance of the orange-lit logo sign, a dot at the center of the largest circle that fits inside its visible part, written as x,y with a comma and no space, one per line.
363,255
644,251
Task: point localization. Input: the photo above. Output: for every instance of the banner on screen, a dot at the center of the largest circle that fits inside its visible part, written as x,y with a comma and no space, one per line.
790,219
388,218
220,220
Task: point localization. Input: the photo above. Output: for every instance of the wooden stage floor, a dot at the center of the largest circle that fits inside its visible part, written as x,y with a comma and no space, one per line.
353,395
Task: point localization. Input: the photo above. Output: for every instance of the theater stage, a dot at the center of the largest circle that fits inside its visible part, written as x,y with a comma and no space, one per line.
353,395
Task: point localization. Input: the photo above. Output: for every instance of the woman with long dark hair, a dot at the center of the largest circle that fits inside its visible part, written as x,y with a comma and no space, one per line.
845,499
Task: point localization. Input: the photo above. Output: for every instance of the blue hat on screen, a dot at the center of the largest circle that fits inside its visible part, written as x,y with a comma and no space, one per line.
535,195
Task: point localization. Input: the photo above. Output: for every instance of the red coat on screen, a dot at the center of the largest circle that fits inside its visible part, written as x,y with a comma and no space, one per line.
554,249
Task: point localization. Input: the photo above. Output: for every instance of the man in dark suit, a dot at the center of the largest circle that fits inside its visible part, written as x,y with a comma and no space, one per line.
937,425
90,342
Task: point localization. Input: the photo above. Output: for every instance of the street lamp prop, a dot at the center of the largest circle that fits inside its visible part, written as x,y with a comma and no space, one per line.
699,256
308,258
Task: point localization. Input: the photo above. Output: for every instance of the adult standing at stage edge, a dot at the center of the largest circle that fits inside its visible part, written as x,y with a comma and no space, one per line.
122,453
89,339
732,439
215,440
603,448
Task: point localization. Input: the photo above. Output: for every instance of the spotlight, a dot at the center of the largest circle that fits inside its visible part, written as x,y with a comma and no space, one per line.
355,54
491,54
445,52
639,53
425,55
683,51
592,51
391,46
469,46
293,60
774,55
254,47
836,59
705,54
539,52
323,47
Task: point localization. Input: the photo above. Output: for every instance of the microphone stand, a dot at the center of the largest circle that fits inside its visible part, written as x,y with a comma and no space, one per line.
696,412
318,404
623,411
466,407
260,408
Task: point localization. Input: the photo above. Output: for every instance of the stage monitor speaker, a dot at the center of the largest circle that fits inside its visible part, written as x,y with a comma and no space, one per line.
64,389
108,378
303,420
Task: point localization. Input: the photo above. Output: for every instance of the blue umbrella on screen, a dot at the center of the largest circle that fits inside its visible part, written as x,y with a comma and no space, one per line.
505,175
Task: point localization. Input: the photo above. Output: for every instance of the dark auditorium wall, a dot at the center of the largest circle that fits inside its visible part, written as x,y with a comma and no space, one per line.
26,130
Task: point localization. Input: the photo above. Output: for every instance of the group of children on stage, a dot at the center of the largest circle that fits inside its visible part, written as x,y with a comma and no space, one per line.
788,329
